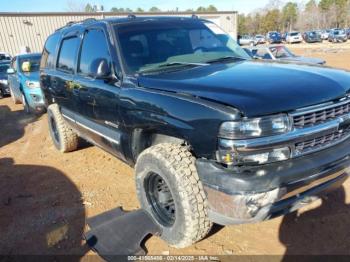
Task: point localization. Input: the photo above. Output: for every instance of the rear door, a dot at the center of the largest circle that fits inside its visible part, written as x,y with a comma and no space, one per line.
62,78
97,99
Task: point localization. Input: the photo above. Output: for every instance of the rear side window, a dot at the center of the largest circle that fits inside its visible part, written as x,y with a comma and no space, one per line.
67,55
94,47
48,56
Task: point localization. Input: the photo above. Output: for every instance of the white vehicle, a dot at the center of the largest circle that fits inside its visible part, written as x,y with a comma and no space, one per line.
260,39
325,34
294,37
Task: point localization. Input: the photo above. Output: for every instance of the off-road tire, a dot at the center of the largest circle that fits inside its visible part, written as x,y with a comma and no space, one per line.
176,165
66,140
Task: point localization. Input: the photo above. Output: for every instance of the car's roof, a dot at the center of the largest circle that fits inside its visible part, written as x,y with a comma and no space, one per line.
131,19
128,19
28,55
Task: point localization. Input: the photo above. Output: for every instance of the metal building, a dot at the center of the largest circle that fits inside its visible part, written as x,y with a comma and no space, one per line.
20,30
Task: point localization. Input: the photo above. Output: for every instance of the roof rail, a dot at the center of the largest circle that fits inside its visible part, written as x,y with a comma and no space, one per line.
89,20
131,16
70,23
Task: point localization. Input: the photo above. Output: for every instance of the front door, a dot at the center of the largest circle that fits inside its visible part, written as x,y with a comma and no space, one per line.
96,97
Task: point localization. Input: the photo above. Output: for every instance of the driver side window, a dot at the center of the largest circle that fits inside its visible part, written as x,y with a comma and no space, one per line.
94,48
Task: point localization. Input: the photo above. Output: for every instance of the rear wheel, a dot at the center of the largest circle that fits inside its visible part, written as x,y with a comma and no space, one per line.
63,137
168,188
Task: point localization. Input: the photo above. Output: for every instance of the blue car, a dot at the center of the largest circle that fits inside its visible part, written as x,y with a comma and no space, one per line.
274,37
23,80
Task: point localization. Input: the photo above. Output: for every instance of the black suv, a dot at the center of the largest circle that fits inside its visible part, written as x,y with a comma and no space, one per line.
214,136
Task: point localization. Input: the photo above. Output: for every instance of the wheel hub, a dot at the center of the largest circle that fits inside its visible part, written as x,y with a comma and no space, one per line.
54,129
160,198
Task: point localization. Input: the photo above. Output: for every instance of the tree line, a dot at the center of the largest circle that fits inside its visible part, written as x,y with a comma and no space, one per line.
322,14
100,8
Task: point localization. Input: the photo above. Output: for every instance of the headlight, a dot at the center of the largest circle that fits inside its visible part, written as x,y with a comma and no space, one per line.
230,155
32,84
255,127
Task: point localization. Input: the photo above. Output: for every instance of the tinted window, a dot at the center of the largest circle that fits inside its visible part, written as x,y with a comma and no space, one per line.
94,48
5,57
34,63
48,57
67,54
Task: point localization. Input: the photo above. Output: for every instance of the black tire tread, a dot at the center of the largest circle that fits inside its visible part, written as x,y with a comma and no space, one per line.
181,162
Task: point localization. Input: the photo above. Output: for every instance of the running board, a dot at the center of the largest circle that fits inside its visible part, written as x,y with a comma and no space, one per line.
117,232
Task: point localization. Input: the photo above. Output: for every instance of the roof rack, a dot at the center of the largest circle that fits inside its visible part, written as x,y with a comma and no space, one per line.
70,23
131,16
89,20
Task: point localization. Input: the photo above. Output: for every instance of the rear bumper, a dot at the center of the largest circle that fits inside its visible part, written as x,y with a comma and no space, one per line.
258,193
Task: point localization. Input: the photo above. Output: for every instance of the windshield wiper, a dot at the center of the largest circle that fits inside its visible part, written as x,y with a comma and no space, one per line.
224,58
172,64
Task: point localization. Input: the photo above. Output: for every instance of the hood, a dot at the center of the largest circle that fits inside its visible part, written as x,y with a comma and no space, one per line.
33,76
306,60
255,87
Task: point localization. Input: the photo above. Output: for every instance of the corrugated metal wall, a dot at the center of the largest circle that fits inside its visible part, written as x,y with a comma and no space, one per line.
19,30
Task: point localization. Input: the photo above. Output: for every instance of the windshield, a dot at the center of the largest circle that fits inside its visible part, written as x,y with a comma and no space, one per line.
34,63
151,45
5,57
4,67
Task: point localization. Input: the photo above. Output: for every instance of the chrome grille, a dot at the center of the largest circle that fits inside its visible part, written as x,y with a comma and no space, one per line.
319,116
321,142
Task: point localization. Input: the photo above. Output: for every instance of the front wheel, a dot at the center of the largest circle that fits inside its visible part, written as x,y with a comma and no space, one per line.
169,189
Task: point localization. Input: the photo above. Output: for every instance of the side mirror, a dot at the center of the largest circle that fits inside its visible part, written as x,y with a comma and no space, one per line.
10,71
100,68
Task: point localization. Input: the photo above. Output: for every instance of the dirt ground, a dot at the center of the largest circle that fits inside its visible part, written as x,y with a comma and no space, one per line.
46,196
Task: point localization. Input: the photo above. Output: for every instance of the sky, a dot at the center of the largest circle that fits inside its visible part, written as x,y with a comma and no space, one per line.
242,6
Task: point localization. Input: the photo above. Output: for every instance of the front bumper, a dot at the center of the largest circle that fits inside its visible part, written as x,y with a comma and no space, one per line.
35,99
252,194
